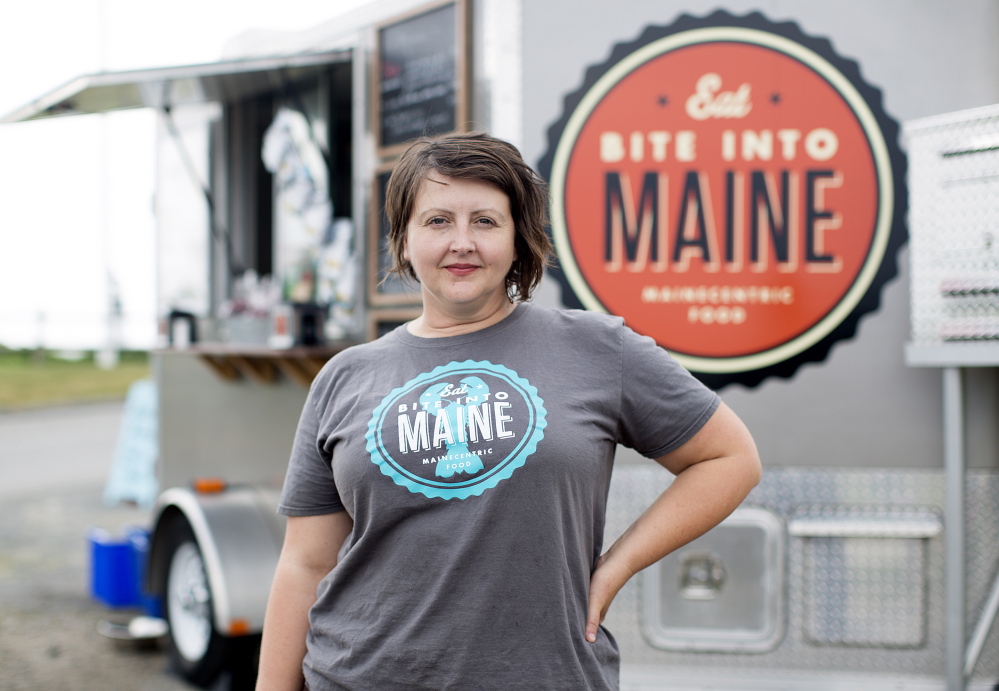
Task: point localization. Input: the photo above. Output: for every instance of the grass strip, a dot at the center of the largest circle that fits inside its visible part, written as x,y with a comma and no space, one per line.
31,379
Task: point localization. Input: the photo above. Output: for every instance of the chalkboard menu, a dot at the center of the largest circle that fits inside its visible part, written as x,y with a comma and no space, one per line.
421,72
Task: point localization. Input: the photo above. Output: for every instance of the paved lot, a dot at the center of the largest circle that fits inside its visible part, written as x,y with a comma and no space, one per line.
53,466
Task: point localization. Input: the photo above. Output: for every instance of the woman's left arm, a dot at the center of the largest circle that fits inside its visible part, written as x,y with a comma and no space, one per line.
715,470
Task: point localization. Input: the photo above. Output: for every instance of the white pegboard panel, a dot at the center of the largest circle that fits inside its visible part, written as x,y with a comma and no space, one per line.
954,227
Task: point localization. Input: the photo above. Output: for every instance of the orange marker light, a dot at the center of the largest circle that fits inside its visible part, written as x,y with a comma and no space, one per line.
239,627
209,485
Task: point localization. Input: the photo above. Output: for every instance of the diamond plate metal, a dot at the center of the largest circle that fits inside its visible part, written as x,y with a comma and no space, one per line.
868,592
878,643
954,234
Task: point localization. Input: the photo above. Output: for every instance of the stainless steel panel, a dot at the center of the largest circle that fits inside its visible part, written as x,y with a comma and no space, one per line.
723,591
237,430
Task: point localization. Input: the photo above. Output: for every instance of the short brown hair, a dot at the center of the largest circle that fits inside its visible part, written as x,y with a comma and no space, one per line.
475,156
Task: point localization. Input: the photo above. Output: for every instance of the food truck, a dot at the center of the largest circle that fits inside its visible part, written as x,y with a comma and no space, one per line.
798,201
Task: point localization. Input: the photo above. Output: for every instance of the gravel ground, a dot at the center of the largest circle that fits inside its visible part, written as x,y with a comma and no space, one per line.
48,621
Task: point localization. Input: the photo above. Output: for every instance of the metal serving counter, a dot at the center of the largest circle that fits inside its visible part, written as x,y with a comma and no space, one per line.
230,410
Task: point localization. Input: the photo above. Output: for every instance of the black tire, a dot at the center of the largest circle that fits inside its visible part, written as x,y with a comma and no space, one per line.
197,652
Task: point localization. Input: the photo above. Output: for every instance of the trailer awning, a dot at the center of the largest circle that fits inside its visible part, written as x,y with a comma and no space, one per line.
173,86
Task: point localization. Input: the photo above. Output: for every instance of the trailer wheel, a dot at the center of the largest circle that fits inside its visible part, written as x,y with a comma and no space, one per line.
197,651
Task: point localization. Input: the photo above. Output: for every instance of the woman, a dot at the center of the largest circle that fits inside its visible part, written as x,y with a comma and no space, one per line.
455,471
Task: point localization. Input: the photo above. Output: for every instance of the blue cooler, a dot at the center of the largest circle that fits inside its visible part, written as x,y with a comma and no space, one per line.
117,568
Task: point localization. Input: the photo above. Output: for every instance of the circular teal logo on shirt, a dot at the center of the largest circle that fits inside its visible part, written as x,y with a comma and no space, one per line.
457,431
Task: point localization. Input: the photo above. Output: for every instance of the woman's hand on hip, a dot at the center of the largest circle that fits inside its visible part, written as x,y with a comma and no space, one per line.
607,579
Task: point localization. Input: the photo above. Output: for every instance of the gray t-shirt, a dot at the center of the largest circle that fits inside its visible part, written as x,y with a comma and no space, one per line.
476,470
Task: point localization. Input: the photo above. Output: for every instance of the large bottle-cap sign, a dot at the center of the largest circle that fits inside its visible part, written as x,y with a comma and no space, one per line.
733,189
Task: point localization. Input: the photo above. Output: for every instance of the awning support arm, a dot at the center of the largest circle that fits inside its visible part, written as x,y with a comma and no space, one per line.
219,233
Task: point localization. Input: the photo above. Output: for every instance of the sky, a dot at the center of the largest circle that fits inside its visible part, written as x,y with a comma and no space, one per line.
76,194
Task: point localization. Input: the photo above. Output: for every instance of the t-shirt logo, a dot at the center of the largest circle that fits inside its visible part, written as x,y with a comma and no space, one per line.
457,431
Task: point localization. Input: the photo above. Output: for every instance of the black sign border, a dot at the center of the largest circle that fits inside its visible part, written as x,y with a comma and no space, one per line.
898,234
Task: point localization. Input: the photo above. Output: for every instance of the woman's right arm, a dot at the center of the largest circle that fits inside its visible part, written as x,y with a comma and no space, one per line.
311,544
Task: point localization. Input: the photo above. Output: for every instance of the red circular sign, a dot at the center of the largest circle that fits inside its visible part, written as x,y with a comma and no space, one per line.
728,191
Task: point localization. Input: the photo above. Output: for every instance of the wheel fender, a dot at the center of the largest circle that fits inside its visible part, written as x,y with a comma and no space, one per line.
240,535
